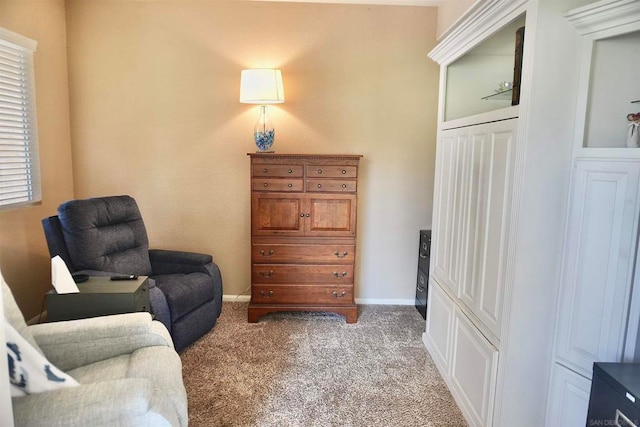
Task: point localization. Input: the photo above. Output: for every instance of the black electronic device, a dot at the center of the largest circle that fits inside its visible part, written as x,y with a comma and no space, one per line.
124,277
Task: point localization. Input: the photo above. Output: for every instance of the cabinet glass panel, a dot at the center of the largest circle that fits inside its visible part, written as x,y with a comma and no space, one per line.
482,80
614,91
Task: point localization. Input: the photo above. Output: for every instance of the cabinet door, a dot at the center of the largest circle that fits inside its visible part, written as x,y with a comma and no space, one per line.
598,263
331,215
446,209
474,363
491,152
440,309
568,398
277,214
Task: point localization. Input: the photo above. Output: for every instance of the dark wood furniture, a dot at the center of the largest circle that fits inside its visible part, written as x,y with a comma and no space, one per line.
99,296
303,233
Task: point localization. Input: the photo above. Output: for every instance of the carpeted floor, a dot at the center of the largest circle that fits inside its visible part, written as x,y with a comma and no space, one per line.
306,369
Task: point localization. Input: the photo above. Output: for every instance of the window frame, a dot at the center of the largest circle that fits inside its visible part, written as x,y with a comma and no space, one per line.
27,48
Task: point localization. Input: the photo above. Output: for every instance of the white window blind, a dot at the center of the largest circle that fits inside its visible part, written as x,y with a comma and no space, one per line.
19,167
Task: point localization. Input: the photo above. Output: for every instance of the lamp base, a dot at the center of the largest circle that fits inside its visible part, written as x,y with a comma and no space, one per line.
264,133
265,152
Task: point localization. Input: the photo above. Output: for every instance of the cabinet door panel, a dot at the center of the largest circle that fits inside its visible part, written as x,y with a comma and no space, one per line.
276,214
598,266
493,223
331,215
474,364
440,311
444,218
568,398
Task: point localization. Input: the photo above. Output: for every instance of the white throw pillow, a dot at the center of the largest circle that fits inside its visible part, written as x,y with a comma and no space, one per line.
29,371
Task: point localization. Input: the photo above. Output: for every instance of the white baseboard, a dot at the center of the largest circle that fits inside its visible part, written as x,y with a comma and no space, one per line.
236,298
362,301
385,301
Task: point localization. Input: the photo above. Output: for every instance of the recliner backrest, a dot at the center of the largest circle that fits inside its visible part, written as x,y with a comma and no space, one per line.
55,240
106,234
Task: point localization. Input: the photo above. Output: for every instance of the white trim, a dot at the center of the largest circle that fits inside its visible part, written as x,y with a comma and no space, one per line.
360,301
236,298
385,301
604,15
482,20
18,39
428,3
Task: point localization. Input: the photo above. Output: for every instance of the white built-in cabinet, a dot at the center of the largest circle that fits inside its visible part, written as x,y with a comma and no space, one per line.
502,182
598,308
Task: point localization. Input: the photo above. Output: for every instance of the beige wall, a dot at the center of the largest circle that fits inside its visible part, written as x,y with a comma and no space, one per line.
155,114
450,11
24,258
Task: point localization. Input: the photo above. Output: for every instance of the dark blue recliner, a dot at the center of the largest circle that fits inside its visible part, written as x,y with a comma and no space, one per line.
106,235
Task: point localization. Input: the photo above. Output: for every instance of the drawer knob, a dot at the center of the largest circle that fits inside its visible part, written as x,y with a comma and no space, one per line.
301,215
266,185
264,294
319,185
289,171
422,280
338,275
265,170
344,185
341,255
341,295
319,171
267,275
344,172
307,215
289,185
264,254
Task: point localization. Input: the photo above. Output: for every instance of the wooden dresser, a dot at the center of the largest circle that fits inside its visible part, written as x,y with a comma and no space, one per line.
303,233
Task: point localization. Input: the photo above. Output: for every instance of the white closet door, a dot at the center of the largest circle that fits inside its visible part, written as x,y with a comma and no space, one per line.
568,399
474,363
599,257
488,162
448,197
440,312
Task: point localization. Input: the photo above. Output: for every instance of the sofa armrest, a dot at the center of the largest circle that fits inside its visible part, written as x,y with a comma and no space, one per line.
174,262
76,343
108,403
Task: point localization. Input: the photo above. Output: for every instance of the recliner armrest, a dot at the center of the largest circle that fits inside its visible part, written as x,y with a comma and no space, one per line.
105,403
74,343
174,262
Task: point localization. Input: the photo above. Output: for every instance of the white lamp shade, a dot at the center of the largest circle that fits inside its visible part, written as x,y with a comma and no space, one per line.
261,86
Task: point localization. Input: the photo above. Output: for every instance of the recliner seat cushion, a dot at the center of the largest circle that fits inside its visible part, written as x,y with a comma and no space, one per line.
185,292
106,234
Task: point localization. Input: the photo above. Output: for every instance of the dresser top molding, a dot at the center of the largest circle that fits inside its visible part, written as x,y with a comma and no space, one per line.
606,15
305,156
483,19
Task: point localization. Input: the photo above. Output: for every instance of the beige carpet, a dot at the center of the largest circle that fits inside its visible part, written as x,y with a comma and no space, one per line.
306,369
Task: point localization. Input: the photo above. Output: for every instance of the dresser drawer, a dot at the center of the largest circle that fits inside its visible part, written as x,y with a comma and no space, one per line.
331,185
302,254
283,273
280,171
276,184
321,171
301,294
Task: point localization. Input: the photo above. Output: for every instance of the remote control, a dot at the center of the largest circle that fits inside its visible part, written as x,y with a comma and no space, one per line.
124,277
